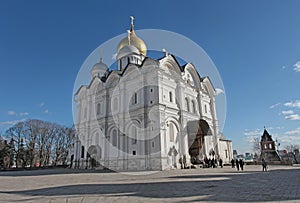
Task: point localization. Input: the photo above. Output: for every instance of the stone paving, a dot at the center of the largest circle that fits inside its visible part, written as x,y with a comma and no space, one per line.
280,184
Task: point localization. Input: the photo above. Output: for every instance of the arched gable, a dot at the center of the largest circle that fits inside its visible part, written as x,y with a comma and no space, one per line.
130,72
81,92
112,79
149,62
94,85
190,73
209,86
170,66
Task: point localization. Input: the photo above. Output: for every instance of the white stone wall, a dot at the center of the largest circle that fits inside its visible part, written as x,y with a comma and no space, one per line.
157,99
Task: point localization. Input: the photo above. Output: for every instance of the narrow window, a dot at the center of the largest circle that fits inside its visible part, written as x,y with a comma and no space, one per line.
114,138
151,90
82,152
171,132
187,105
205,108
98,109
134,100
134,152
194,106
171,96
152,144
134,134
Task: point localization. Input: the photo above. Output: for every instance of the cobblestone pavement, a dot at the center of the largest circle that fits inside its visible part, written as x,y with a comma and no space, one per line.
280,184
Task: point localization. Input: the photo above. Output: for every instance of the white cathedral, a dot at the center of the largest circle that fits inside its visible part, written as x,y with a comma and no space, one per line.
149,114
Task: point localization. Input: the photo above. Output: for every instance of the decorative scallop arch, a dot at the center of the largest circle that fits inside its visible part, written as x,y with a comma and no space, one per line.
190,68
169,63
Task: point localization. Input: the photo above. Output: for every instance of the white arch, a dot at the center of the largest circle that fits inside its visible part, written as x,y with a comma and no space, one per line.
190,68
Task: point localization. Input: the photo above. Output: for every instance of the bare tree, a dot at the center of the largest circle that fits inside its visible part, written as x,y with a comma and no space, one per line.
15,134
39,143
256,145
291,149
63,143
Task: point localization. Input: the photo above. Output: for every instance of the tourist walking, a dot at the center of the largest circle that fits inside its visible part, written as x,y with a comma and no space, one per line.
237,164
264,164
232,163
241,164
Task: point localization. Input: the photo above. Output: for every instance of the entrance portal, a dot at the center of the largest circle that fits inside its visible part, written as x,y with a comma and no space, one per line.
197,130
94,155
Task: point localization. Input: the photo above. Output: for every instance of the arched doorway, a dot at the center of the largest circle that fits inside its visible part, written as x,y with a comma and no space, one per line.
173,143
94,155
197,130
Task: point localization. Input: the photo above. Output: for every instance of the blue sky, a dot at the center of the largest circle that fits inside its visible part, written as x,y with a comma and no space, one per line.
254,44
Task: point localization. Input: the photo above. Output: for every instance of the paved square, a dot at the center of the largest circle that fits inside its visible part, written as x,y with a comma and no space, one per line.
280,184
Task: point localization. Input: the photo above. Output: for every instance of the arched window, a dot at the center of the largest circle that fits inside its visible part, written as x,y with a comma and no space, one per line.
114,138
187,104
98,109
134,134
194,106
171,132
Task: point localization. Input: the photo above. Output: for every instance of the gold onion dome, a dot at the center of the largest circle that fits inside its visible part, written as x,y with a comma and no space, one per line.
133,40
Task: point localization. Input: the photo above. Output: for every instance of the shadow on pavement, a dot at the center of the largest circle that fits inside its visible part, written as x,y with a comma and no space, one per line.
42,172
277,185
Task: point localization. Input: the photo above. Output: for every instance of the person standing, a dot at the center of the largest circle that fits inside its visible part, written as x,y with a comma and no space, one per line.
241,164
221,163
264,164
232,163
180,161
213,163
184,161
237,164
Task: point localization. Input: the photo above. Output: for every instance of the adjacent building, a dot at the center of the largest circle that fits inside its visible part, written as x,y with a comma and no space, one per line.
268,149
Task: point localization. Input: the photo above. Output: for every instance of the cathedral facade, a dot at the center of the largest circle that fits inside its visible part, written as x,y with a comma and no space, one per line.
149,114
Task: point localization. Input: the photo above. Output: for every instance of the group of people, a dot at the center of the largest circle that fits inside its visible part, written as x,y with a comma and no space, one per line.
213,163
239,163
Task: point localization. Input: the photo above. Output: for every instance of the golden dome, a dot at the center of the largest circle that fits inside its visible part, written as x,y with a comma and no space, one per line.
134,41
